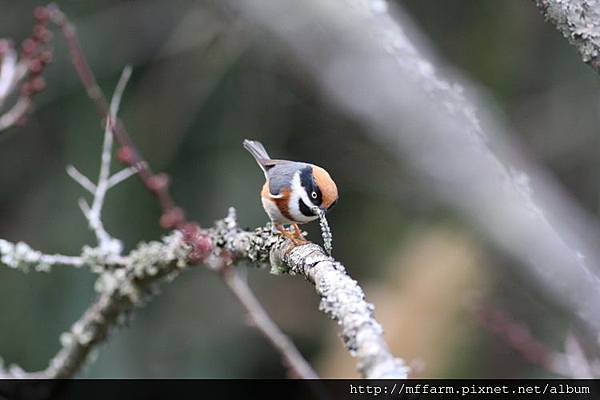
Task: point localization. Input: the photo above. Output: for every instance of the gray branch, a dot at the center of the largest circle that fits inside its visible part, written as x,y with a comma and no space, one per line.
579,22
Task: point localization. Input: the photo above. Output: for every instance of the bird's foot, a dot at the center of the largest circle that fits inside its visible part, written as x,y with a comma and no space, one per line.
299,239
295,237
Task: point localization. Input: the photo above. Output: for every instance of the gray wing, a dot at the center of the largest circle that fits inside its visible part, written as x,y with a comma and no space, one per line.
281,174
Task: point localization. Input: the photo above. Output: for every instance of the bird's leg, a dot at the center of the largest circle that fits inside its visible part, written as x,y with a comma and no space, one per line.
299,234
289,235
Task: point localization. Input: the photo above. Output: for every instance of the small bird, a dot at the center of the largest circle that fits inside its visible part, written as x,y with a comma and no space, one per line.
294,192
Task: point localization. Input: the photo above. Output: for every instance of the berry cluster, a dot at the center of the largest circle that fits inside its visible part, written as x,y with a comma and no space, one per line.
35,54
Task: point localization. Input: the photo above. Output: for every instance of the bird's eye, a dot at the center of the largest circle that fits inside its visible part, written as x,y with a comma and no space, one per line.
313,195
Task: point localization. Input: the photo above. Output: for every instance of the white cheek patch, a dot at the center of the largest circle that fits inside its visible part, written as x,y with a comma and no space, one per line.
298,192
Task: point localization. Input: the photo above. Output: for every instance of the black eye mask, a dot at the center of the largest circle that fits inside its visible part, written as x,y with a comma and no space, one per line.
307,181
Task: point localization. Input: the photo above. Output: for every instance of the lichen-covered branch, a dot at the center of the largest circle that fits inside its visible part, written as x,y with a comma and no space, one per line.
119,291
579,22
135,279
21,256
342,299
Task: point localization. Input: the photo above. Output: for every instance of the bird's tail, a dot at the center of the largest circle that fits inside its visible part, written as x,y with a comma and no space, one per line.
257,150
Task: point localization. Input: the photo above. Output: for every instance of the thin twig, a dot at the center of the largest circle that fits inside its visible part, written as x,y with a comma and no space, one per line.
8,69
81,179
94,213
16,112
291,356
172,215
120,176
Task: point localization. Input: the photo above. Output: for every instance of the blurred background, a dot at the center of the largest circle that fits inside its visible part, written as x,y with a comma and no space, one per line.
203,82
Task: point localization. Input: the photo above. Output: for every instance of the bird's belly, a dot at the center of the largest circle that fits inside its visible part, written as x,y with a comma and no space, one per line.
273,212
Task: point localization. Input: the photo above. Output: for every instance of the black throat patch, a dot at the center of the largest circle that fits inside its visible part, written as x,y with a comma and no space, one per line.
304,209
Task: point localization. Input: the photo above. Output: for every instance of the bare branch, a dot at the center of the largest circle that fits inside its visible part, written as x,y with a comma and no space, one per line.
8,69
94,215
579,22
292,357
115,102
81,179
15,113
121,176
173,216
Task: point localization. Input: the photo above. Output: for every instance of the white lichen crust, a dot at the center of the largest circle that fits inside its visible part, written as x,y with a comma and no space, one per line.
343,300
119,291
579,23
